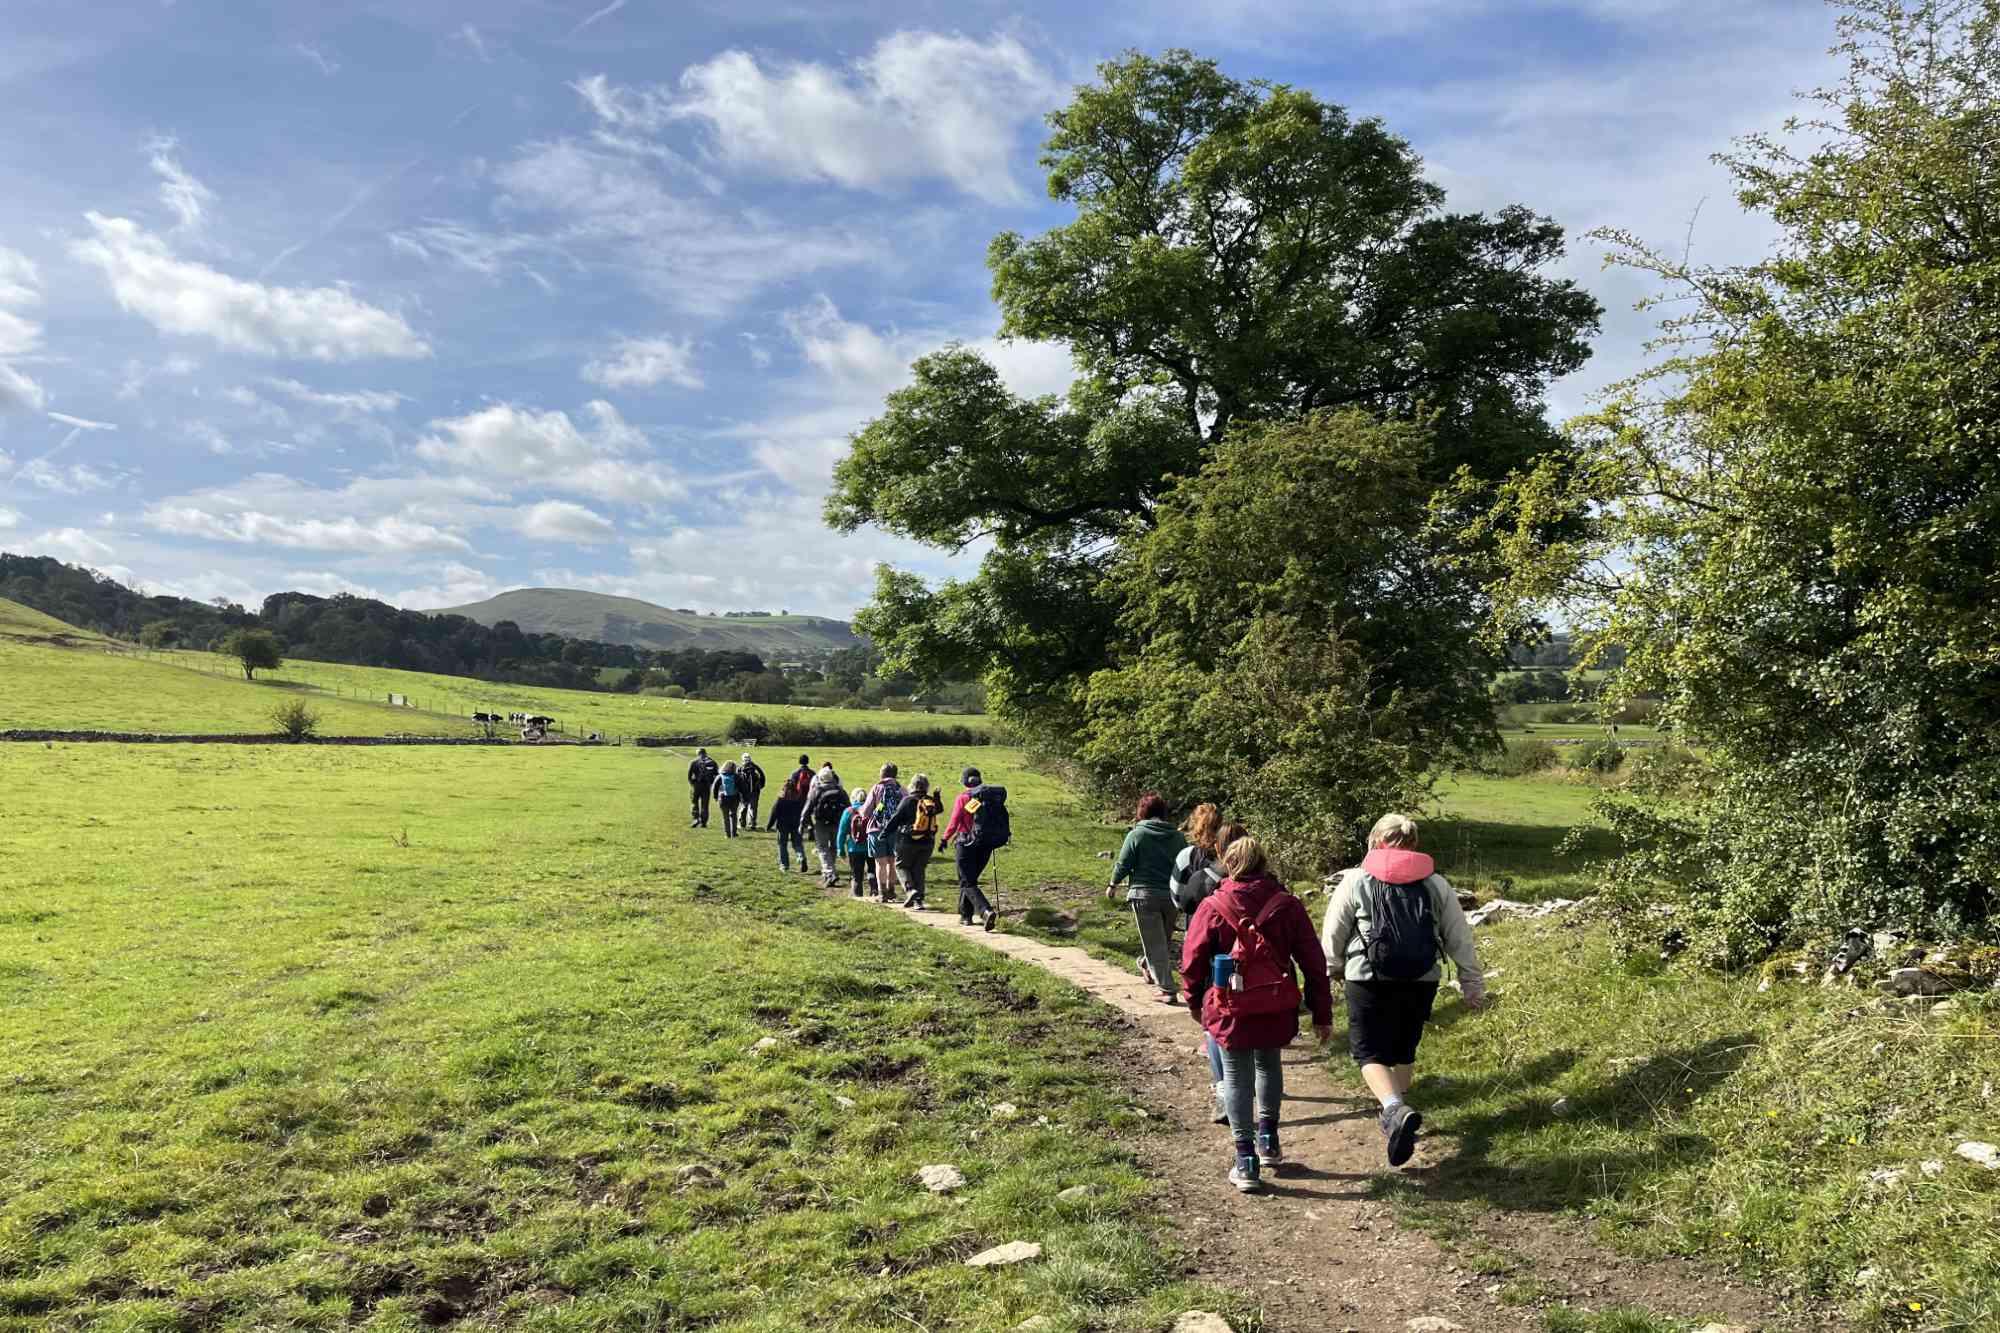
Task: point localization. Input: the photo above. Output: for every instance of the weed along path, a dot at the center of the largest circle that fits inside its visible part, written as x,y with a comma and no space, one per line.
1339,1240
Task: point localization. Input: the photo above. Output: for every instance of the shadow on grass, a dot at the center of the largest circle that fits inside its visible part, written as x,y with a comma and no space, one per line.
1625,1104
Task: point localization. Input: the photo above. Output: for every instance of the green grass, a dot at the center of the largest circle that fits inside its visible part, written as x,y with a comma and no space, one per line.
320,1038
1701,1117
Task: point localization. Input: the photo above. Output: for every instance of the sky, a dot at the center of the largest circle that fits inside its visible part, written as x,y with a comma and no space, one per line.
427,299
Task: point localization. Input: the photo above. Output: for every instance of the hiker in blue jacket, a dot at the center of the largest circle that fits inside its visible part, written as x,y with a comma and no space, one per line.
729,795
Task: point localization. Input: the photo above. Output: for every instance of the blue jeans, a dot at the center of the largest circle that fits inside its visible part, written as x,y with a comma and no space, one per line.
1240,1069
788,839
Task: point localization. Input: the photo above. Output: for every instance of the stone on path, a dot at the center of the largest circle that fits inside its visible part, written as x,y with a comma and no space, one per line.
1074,1192
941,1179
764,1044
1430,1323
1980,1154
1202,1321
1013,1252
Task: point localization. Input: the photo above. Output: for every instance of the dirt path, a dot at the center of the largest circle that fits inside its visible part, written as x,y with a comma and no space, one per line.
1329,1256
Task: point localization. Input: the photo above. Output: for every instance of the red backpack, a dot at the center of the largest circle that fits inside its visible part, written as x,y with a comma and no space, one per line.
1268,986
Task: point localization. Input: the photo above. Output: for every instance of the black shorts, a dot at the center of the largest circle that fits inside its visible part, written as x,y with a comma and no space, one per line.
1385,1020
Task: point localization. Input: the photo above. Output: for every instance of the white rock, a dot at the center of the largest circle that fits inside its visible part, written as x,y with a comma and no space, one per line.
1887,1176
1013,1252
1074,1192
763,1044
697,1175
843,1102
1943,1007
941,1179
1430,1323
1931,1166
1202,1321
1035,1323
1980,1154
1004,1111
1866,1277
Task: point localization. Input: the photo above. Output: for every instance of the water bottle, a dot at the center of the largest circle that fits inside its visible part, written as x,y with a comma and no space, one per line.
1223,971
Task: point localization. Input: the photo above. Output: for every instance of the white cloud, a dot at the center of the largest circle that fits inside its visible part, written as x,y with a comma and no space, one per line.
82,423
71,544
9,518
921,104
379,536
182,296
561,521
454,584
326,64
138,374
20,285
519,444
348,403
19,393
644,362
474,42
75,479
596,15
186,197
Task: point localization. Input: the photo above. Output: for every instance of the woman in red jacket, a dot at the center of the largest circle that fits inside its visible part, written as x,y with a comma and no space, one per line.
1253,932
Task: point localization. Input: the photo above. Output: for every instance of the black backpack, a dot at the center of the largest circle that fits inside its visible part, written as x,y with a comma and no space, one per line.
990,828
828,805
1198,883
1402,939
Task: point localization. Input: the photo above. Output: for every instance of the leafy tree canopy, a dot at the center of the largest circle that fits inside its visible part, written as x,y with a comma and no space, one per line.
1790,523
256,649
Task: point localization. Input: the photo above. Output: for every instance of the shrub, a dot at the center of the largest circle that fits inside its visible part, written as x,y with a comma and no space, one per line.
1665,768
295,718
674,692
1599,757
1521,758
790,731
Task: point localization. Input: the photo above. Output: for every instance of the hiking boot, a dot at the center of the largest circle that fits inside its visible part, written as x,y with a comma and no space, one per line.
913,901
1244,1175
992,919
965,921
1399,1127
1221,1106
857,889
1268,1150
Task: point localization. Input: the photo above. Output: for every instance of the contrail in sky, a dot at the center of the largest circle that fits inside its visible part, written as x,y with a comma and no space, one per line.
603,13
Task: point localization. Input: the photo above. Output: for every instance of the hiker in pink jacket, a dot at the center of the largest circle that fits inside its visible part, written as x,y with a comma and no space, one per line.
1391,919
1238,964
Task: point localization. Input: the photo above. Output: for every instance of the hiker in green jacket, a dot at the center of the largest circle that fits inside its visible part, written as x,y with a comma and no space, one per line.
1147,861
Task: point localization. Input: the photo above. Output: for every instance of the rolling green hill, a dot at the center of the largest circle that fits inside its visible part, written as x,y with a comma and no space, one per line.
626,620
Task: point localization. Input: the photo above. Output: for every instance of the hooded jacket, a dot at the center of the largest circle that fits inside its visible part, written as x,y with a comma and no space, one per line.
1290,934
1147,859
1344,937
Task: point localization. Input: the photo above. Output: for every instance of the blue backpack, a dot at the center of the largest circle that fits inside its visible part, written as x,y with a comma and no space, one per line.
728,784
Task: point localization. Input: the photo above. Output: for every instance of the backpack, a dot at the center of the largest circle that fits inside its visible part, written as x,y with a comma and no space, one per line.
924,822
1268,985
990,828
892,796
827,807
1402,939
728,784
1189,892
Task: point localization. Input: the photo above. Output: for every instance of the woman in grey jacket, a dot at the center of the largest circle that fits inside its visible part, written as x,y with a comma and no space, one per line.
1390,918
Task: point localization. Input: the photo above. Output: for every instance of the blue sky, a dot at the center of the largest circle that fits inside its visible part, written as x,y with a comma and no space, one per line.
427,299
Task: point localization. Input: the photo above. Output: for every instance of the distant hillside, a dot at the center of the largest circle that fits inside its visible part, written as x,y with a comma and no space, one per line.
626,620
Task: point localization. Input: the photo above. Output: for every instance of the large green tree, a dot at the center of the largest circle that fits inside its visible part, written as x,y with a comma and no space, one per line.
1242,252
1793,522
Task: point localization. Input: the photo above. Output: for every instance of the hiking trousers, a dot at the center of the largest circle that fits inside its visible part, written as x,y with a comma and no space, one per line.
829,859
750,800
729,816
913,859
699,806
972,904
1251,1068
861,868
1156,917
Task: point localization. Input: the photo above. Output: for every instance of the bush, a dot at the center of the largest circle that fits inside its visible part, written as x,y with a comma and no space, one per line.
790,731
295,718
1665,769
1524,757
1599,757
674,692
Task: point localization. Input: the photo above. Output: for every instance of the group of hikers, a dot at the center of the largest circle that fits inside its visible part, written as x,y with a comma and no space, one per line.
1249,957
885,835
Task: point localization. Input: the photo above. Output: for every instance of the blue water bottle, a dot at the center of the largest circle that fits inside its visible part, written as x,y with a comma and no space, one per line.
1222,970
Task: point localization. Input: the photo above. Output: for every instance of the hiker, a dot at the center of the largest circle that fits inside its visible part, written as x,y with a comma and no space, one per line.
786,816
854,842
729,794
1241,949
1384,928
913,829
1147,860
979,822
825,803
753,788
701,777
883,798
802,776
1198,873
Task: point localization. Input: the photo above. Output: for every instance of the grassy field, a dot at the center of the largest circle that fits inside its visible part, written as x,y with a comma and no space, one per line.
319,1038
